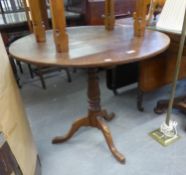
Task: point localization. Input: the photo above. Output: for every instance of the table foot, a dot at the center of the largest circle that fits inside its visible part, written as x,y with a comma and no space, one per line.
75,127
108,137
106,116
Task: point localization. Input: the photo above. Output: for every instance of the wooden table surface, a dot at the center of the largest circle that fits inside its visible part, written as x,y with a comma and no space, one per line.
92,46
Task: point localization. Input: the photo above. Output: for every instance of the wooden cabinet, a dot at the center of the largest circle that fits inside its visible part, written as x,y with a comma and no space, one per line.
93,10
159,71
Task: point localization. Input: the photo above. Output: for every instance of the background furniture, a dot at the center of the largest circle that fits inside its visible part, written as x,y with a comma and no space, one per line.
123,75
92,11
99,53
120,76
8,6
13,121
159,71
13,17
42,70
167,68
150,74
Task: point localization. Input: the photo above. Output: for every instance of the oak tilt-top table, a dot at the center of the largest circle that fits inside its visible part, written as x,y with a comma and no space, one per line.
92,47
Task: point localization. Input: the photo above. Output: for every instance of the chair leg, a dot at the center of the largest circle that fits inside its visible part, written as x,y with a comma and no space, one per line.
41,78
20,66
13,65
68,75
30,71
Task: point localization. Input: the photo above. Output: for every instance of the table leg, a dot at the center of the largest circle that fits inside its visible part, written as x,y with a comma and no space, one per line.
92,119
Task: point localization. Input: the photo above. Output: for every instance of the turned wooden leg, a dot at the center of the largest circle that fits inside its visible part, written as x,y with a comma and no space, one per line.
108,138
96,111
75,127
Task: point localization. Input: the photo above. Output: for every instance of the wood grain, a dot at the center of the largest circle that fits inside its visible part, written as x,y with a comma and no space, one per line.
92,46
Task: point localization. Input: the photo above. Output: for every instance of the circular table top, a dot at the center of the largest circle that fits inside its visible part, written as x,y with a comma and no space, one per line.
92,46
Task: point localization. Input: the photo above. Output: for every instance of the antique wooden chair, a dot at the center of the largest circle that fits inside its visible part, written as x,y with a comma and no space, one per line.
17,6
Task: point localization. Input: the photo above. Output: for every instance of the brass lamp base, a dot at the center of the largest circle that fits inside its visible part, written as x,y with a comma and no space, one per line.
162,139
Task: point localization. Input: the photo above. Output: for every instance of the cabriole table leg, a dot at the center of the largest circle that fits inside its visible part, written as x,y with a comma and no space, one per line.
92,119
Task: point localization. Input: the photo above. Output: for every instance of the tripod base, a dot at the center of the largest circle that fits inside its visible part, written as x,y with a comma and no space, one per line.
92,120
94,117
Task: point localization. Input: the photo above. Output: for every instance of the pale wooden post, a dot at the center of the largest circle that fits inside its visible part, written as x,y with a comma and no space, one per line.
37,21
59,25
140,17
44,13
109,15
